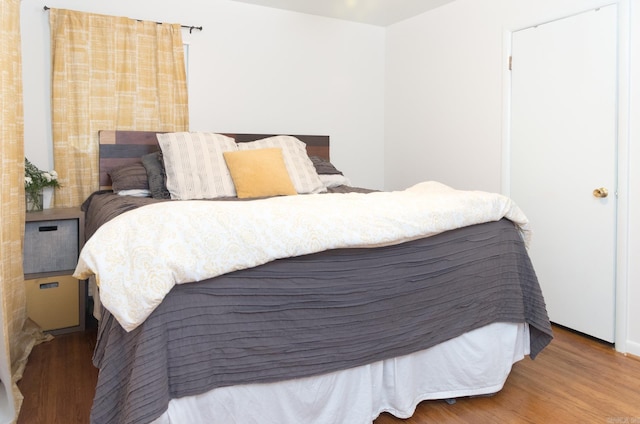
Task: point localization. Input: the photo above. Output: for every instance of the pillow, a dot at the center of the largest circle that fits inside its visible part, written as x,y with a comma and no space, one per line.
135,192
156,175
301,170
194,165
323,166
129,177
334,180
259,173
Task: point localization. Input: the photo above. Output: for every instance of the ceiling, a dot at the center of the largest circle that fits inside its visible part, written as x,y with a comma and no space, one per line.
374,12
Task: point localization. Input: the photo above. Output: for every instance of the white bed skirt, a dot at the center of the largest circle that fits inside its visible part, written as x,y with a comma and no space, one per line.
475,363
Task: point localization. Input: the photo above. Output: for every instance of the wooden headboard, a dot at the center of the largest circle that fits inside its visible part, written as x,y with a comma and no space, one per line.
119,148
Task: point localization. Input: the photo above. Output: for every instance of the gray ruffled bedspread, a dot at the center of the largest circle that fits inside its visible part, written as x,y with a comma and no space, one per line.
315,314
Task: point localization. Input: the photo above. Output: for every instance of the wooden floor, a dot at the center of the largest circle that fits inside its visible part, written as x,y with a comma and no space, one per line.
574,380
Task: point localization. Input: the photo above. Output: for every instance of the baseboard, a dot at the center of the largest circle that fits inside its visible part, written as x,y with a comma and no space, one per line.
633,349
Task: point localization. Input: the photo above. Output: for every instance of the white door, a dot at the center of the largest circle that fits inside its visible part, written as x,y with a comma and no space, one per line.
562,148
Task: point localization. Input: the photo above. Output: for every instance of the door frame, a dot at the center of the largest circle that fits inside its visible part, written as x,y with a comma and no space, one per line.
623,142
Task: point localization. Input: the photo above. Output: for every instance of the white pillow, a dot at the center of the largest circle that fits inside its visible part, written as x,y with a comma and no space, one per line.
334,180
300,167
195,166
135,192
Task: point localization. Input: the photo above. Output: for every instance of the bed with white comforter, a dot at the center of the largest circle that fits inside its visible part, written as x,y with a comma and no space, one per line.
318,308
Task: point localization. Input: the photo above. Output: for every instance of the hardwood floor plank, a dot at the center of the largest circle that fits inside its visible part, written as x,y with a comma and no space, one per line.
574,380
59,381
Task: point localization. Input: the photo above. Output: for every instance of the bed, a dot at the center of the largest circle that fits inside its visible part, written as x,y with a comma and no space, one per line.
327,307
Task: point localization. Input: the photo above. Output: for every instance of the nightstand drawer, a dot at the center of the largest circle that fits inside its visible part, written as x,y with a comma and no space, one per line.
50,246
53,302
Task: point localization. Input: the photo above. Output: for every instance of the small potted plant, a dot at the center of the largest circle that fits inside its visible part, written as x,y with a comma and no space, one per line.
35,181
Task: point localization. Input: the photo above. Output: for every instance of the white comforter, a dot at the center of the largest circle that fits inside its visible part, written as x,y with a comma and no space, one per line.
140,255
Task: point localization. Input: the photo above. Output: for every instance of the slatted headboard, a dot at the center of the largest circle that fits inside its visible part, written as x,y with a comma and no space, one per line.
122,147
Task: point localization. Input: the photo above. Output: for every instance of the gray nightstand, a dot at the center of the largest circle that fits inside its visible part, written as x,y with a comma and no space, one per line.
52,241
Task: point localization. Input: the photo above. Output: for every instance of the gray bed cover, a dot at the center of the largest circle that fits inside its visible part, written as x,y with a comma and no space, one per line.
316,314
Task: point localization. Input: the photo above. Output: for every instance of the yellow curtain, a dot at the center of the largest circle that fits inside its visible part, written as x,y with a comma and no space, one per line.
18,333
110,73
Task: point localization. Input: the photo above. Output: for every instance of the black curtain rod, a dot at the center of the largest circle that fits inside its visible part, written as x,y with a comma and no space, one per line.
189,27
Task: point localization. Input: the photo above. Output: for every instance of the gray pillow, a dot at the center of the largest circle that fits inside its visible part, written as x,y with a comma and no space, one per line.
323,166
156,175
129,177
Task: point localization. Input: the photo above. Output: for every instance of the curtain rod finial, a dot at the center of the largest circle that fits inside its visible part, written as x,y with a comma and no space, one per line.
46,8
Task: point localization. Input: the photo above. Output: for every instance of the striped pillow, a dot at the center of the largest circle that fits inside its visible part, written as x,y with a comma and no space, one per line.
301,170
195,166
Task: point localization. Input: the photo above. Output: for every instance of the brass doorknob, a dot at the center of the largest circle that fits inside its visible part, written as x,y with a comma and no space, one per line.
601,192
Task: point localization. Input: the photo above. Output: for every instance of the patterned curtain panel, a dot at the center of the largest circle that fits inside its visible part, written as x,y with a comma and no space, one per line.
14,347
110,73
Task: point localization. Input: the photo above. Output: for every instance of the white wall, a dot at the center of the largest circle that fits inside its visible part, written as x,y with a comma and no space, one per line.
444,110
252,69
442,93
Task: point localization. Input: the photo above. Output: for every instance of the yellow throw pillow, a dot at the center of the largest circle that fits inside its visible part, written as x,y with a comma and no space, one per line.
259,173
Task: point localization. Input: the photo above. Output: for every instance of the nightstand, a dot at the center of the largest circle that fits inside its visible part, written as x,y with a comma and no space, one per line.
52,242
